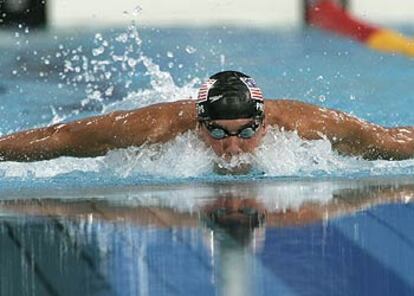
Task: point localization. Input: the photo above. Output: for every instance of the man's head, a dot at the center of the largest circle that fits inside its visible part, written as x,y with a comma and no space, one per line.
230,111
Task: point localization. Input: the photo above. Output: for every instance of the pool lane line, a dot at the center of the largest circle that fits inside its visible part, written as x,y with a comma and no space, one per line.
391,228
83,254
29,258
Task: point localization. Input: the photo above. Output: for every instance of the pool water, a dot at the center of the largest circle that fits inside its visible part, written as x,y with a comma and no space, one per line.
50,77
318,238
142,221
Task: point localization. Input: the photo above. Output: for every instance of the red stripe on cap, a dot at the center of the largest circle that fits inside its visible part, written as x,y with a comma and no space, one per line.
255,92
204,88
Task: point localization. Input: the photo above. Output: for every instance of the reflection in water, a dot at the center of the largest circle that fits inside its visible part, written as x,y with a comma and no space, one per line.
241,239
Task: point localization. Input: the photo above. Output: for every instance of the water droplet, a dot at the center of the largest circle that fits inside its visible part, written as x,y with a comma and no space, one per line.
170,54
137,10
109,91
190,49
123,38
132,62
98,36
322,98
222,59
98,51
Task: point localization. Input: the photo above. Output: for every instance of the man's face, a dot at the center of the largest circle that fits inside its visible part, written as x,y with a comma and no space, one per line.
235,141
236,211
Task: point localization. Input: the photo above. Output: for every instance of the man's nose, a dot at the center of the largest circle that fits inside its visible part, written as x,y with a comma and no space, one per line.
231,146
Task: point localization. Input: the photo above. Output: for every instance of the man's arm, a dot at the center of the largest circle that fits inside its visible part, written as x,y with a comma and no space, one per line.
95,136
101,210
344,202
348,134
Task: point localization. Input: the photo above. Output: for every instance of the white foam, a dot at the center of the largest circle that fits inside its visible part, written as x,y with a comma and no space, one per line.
281,154
49,168
163,90
185,156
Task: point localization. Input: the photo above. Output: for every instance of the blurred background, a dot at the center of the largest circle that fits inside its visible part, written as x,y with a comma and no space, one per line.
77,13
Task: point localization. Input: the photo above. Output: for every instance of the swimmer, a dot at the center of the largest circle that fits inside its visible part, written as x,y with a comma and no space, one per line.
230,116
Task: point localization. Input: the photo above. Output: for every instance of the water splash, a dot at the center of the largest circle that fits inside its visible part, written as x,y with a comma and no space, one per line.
161,160
112,66
282,154
286,154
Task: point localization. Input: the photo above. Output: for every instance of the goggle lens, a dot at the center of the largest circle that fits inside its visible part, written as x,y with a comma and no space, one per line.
220,133
217,133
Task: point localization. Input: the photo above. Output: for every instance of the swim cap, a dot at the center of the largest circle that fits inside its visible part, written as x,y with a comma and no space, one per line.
229,95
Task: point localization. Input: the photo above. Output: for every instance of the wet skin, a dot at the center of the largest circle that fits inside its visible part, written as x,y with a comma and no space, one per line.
159,123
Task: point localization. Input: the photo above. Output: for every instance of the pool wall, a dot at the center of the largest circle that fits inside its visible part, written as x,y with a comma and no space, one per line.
261,13
65,13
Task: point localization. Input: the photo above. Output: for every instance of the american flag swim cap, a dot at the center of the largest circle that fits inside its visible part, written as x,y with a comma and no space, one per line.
229,95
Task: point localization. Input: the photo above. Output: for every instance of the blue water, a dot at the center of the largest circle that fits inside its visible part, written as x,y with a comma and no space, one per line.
158,241
61,76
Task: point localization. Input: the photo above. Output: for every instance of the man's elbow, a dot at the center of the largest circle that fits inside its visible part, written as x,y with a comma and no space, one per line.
390,148
67,142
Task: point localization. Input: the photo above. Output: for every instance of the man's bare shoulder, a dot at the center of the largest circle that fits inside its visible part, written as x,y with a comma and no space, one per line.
186,107
178,113
163,119
287,112
288,104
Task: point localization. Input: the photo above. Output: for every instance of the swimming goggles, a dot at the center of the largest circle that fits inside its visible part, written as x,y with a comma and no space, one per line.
246,132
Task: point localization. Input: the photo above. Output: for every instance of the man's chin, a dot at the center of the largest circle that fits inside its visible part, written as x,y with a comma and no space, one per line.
222,168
